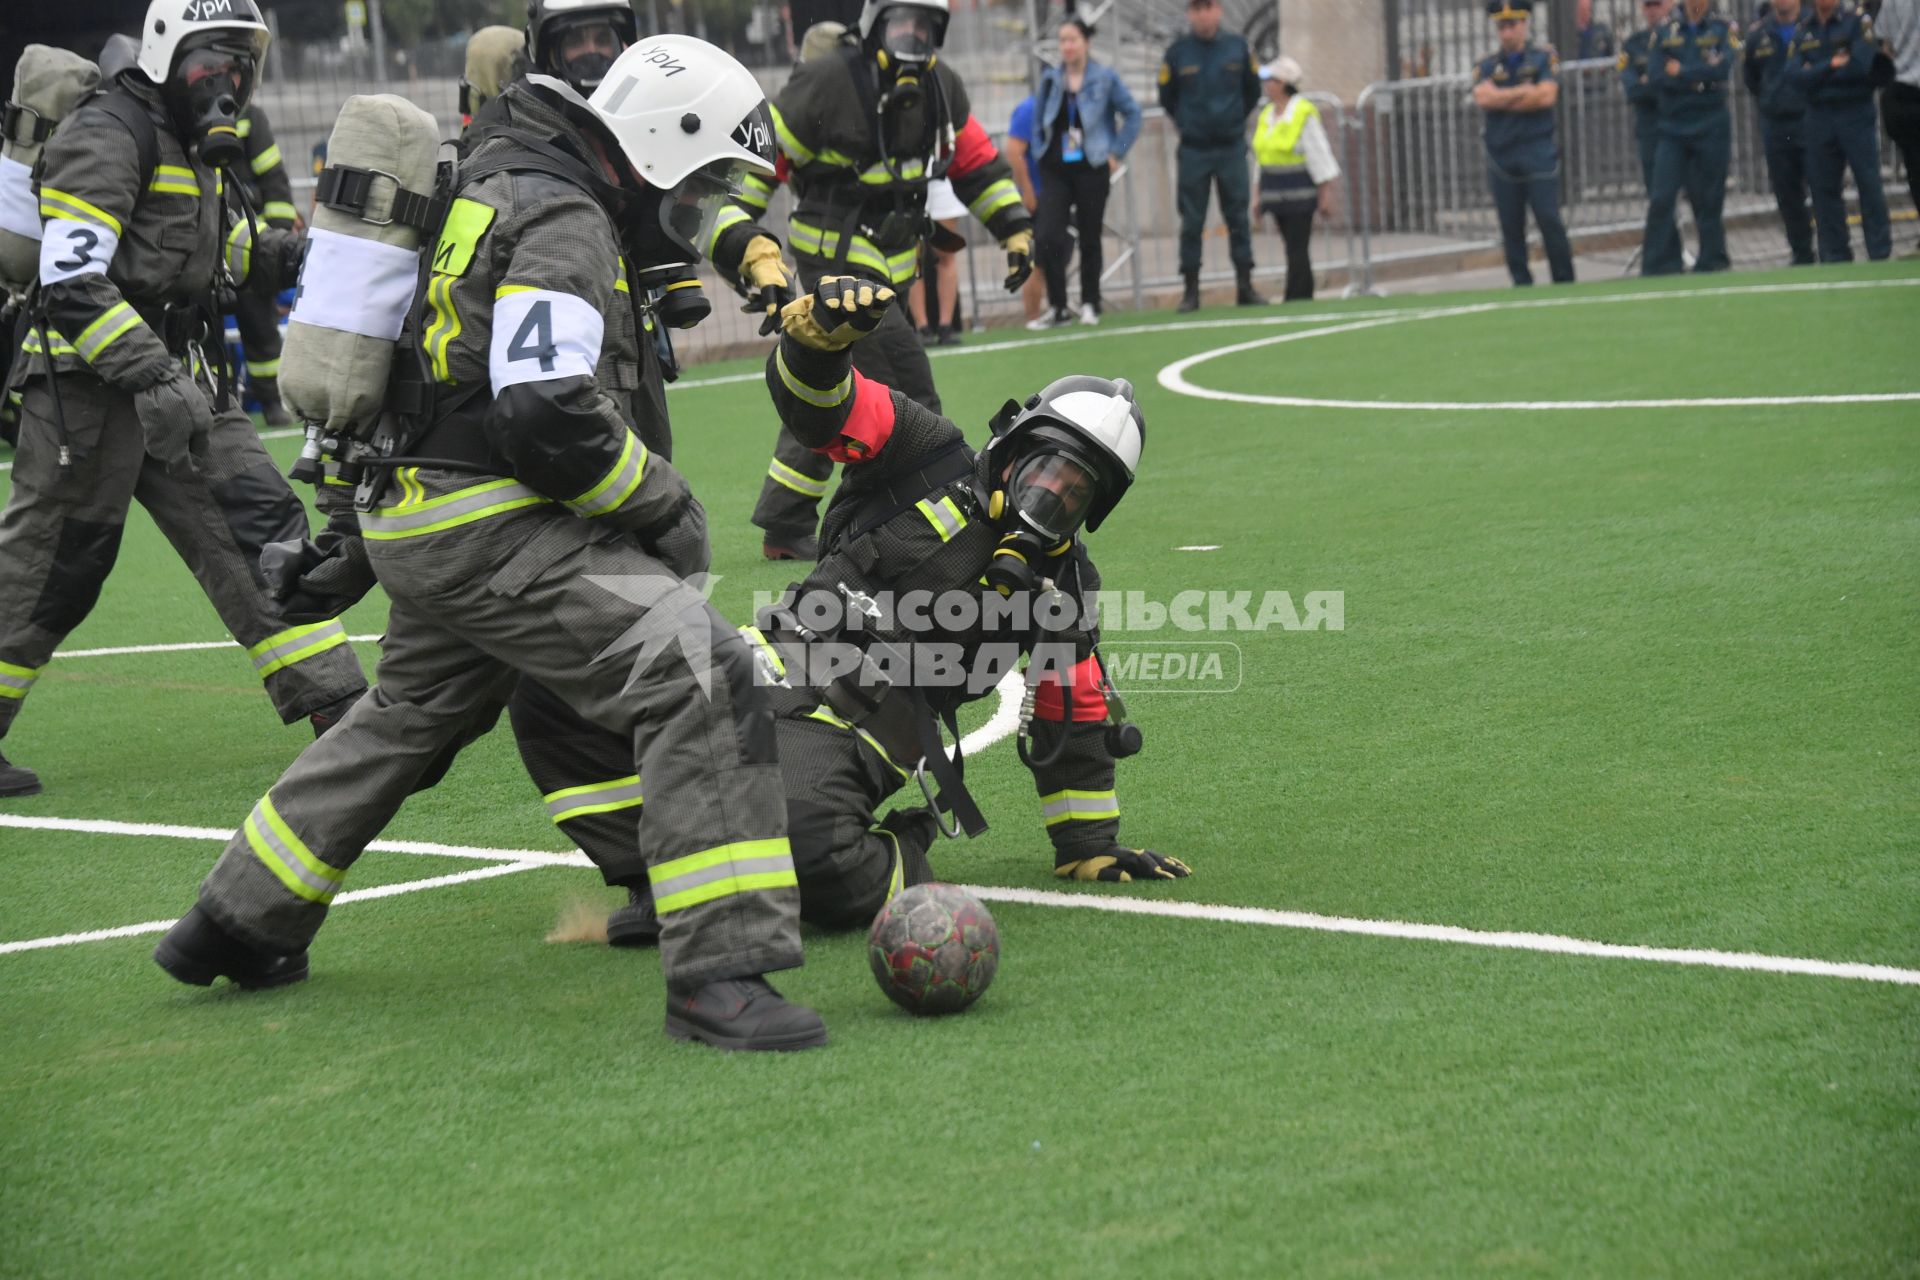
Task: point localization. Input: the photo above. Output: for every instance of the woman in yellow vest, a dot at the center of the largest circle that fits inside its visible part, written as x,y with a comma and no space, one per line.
1297,169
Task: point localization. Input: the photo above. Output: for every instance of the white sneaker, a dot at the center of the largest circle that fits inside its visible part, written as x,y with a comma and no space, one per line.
1088,315
1041,322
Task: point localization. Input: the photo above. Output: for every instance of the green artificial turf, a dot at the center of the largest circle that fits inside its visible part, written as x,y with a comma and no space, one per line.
1642,676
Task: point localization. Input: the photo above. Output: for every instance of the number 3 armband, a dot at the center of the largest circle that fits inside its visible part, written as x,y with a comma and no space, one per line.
69,249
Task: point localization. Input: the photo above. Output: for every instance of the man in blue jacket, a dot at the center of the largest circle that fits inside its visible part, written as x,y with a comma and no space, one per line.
1209,86
1783,118
1833,52
1518,88
1636,78
1691,73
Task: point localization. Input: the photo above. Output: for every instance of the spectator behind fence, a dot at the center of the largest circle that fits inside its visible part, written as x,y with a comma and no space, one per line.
1297,169
1635,77
1517,87
1783,120
1692,72
1018,148
1208,87
1084,122
1590,39
934,299
1899,26
1833,55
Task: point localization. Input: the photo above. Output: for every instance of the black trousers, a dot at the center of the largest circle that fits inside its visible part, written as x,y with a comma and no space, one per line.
1900,108
1296,232
1786,145
1073,195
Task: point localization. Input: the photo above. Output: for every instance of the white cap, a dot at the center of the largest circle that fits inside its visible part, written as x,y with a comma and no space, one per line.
1283,69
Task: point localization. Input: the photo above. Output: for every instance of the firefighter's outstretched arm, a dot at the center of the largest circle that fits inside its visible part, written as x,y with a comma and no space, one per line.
827,404
983,180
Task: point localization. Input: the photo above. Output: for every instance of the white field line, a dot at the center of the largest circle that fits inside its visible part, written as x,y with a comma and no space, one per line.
1257,320
105,827
1173,376
488,872
174,648
508,861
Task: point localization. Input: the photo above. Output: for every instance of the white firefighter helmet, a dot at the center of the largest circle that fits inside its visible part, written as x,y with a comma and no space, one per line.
1091,425
873,29
171,23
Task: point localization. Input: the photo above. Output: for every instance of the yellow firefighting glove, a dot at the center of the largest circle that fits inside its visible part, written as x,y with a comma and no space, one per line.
1019,247
839,312
769,285
1123,865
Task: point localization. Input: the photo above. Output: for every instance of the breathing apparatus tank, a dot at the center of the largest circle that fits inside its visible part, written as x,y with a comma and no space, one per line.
47,84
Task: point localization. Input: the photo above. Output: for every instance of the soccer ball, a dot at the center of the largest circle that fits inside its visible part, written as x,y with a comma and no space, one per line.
934,949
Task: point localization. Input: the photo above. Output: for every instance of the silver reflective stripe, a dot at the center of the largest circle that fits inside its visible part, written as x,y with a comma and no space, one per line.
1062,806
663,889
279,655
261,834
944,515
577,800
618,484
15,681
457,508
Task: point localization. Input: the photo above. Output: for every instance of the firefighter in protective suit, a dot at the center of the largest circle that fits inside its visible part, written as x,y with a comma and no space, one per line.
256,308
916,526
538,535
862,131
125,396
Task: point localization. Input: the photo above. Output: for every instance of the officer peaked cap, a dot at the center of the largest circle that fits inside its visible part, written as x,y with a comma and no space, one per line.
1501,10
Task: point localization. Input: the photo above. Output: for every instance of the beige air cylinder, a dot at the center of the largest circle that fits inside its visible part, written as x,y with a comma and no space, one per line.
358,282
48,82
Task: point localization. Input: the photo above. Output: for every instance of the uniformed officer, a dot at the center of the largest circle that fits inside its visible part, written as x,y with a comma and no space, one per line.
862,130
1692,70
256,309
1209,85
138,239
1783,110
545,540
1636,78
1833,52
1518,87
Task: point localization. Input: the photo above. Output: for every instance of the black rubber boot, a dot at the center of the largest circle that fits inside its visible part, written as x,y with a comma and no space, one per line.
636,924
790,546
272,411
742,1013
1244,293
1190,300
197,950
334,712
914,830
17,780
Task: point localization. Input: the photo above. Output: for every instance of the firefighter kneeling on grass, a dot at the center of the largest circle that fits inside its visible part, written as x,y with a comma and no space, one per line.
940,570
531,532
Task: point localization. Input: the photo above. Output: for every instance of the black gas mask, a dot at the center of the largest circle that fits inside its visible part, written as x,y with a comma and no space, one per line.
1043,502
581,52
210,86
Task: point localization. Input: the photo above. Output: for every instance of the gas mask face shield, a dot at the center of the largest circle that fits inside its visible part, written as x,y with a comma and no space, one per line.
210,87
677,225
908,37
584,51
1051,494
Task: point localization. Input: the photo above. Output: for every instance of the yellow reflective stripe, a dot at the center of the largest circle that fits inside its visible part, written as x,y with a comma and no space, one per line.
263,368
828,399
466,222
444,327
278,211
994,199
756,636
58,204
825,715
797,481
755,192
174,179
742,867
296,644
240,252
15,681
731,216
798,151
246,126
477,502
944,516
98,336
594,797
284,854
839,159
1078,806
506,290
620,285
814,242
879,174
617,485
61,347
265,160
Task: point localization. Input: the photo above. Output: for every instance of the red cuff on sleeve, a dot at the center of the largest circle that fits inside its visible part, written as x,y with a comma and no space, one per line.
1088,702
971,149
782,168
868,427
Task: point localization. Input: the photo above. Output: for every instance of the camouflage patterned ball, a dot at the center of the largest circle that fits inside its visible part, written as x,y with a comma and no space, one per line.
934,949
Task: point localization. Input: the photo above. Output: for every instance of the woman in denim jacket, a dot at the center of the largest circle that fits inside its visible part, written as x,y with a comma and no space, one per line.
1084,121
